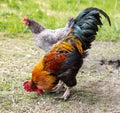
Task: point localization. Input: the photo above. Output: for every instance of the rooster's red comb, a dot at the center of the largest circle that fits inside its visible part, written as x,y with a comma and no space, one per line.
28,88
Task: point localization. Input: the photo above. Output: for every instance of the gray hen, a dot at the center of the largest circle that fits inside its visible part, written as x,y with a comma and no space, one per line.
45,38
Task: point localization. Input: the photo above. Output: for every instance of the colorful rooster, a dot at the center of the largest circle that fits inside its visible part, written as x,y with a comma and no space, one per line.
64,60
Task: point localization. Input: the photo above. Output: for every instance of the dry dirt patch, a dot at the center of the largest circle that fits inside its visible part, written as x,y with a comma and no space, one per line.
97,90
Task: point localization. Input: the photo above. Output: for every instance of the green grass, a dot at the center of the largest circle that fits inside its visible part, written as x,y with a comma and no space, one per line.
54,14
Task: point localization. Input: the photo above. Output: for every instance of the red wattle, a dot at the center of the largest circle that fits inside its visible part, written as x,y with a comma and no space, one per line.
28,88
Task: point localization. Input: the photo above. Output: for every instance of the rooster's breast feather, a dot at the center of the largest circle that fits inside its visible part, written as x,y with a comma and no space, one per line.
62,53
53,61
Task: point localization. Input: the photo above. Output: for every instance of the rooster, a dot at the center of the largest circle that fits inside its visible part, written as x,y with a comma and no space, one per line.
64,60
45,38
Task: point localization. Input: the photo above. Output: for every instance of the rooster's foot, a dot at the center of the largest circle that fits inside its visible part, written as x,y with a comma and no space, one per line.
58,89
66,95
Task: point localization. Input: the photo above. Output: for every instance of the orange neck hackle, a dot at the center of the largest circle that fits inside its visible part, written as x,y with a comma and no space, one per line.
42,78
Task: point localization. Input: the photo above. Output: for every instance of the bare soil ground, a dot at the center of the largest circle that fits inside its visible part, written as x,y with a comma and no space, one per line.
98,81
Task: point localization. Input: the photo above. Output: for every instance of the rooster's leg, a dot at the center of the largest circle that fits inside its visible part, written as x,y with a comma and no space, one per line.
66,94
58,89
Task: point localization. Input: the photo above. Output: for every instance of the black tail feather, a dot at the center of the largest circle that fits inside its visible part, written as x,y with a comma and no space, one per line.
86,25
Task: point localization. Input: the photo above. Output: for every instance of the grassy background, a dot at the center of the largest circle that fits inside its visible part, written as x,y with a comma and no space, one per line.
54,14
